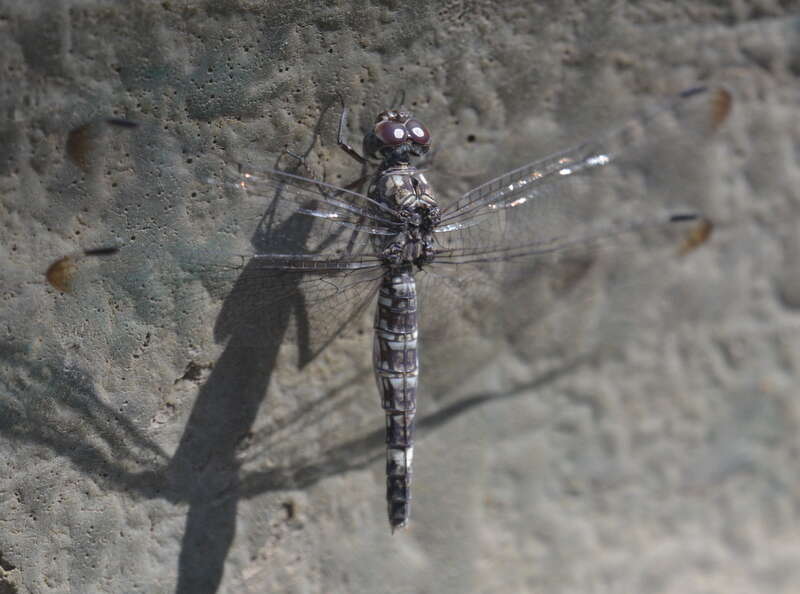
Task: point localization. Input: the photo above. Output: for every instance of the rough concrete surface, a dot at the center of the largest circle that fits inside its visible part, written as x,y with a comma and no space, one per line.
642,438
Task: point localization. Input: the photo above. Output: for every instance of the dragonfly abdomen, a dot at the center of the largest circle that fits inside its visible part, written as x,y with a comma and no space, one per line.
396,364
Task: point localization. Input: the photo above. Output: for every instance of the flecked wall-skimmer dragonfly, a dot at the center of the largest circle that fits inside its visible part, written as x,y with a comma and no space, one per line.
337,248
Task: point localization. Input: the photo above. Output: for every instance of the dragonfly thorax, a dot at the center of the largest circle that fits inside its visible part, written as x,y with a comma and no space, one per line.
408,194
412,248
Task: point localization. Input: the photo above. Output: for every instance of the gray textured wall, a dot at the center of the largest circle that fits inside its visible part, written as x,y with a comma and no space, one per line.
142,452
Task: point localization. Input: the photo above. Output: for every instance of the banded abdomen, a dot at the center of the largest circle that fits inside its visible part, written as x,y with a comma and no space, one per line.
396,369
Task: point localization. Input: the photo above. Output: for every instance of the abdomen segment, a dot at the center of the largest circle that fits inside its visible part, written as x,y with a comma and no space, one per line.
396,364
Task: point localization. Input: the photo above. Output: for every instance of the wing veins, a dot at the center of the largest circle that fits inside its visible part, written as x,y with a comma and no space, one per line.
294,188
595,152
548,246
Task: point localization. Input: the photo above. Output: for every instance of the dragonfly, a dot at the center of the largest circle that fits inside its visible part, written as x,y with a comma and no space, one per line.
338,249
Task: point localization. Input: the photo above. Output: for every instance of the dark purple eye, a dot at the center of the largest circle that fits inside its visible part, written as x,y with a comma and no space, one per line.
389,132
418,132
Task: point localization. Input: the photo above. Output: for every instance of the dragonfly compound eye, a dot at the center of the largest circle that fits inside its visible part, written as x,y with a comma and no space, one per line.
391,133
418,132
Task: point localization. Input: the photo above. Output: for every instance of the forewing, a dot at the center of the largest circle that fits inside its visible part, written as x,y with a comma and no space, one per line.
592,191
295,194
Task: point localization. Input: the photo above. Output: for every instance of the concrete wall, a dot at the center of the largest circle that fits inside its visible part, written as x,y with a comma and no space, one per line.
626,425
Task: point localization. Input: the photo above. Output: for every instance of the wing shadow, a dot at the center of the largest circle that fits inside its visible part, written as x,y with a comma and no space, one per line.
60,411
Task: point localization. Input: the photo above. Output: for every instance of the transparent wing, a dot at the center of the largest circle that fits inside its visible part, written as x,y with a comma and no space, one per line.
572,197
277,193
303,195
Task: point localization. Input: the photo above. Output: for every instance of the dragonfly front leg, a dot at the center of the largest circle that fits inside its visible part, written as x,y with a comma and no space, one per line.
341,138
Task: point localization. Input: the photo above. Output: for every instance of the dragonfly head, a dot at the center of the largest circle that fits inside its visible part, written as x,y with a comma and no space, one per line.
396,137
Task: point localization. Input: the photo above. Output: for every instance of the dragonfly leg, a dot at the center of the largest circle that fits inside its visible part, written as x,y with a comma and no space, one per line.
341,138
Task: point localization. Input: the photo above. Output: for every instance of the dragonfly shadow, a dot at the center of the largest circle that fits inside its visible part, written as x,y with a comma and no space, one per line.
205,468
50,405
57,407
